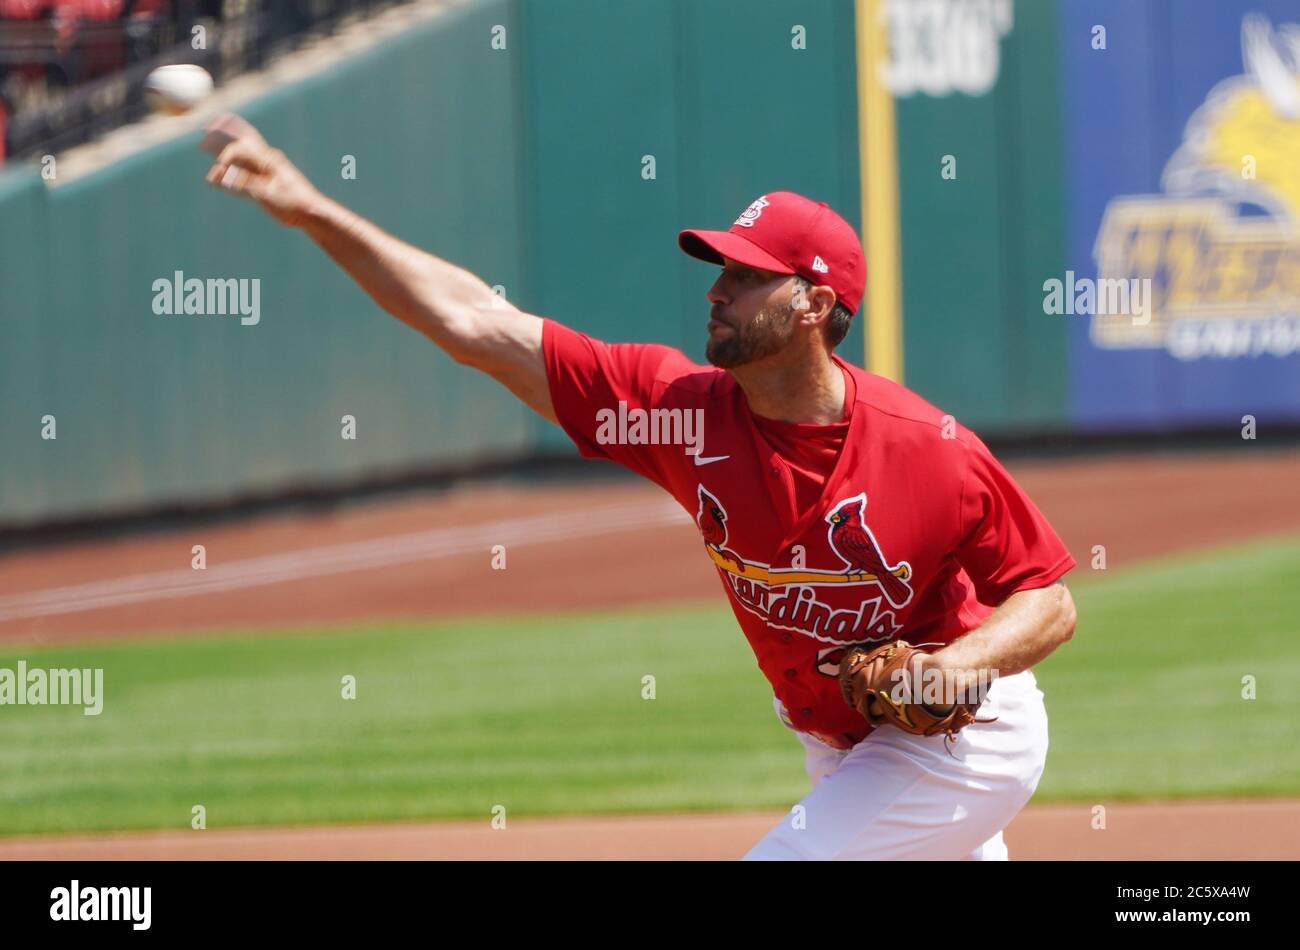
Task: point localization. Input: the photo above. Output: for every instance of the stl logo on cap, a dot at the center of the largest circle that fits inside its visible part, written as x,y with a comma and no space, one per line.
750,214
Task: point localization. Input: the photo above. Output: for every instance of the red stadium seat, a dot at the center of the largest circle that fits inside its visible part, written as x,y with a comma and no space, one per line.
24,9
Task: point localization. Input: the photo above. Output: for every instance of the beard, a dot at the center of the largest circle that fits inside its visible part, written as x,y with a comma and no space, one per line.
767,333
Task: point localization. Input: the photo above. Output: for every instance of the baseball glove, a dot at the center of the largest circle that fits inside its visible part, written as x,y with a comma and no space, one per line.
879,683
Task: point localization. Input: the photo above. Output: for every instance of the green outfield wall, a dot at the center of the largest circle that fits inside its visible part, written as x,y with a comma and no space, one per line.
152,409
977,247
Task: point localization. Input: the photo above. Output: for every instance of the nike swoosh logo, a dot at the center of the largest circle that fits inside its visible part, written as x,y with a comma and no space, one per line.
701,460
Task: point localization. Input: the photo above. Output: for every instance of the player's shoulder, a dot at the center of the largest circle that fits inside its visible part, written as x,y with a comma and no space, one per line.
655,365
675,376
905,419
898,408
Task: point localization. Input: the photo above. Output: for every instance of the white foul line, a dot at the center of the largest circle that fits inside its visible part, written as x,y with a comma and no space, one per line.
339,559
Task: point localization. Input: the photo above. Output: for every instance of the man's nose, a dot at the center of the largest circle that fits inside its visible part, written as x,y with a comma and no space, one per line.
716,295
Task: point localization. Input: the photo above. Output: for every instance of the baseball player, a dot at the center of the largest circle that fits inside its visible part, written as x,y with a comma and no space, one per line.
895,584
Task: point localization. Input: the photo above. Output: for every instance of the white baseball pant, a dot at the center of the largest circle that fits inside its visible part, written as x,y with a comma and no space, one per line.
896,796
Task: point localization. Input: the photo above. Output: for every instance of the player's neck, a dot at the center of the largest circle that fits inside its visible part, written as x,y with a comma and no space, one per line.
807,388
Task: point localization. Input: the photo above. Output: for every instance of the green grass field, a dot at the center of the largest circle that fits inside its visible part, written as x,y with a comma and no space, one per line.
546,716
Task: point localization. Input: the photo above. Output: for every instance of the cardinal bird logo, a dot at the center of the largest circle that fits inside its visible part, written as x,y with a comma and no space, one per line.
712,520
853,541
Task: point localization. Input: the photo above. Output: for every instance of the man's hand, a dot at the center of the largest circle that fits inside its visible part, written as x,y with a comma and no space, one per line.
247,165
892,685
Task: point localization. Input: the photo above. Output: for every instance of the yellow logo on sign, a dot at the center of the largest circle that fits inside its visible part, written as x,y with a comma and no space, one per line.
1222,245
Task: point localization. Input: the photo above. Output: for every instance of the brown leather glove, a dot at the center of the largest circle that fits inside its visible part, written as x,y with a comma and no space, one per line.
876,684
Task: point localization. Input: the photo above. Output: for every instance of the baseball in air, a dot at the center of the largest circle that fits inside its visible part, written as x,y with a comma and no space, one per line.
175,90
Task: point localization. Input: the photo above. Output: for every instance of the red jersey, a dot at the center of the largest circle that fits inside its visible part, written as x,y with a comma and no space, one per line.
889,525
809,451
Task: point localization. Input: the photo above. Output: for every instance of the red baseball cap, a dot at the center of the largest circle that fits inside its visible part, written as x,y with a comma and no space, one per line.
789,234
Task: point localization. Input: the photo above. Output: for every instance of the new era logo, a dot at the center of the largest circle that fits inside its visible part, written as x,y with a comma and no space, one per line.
819,266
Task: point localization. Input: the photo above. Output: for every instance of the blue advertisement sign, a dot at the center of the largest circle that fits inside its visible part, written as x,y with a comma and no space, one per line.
1182,144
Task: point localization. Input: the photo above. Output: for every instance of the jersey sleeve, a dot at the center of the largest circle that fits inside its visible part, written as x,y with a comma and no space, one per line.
1007,544
588,379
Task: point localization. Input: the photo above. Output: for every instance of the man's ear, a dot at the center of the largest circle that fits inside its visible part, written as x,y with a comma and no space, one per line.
805,296
808,301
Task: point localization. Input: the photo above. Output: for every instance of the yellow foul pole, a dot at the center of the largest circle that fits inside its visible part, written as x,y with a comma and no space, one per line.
878,170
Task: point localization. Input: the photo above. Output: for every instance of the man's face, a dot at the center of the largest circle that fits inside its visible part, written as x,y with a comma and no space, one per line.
752,315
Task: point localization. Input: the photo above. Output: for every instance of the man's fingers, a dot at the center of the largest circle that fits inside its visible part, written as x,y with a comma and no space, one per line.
217,175
239,127
228,128
214,140
234,179
244,161
231,178
248,155
242,154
